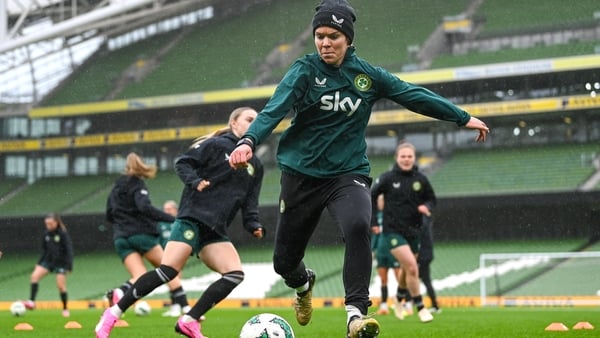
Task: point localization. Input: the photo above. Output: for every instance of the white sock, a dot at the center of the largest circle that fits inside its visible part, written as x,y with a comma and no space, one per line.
116,311
187,319
302,288
352,311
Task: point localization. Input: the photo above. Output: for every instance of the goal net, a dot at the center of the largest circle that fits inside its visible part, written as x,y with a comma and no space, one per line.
540,279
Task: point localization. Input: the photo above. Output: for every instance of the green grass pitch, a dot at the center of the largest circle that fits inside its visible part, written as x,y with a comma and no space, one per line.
327,322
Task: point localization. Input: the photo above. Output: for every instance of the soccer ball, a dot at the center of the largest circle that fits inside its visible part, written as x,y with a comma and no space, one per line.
266,325
17,309
142,308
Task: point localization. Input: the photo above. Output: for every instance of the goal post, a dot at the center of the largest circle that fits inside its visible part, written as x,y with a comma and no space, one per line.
540,279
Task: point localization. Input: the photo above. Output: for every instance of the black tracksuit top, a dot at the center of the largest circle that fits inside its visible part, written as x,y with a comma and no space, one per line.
130,210
403,192
229,190
57,249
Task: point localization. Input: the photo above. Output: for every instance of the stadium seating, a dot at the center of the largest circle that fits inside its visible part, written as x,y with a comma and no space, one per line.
466,173
209,57
54,194
201,62
514,170
505,19
512,55
502,17
94,80
9,185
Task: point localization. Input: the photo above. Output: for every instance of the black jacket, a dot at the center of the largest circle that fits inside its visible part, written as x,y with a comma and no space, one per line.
403,192
229,190
57,249
130,210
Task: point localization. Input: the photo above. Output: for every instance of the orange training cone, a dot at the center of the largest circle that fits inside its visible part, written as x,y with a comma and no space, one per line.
72,325
583,326
121,323
23,327
557,327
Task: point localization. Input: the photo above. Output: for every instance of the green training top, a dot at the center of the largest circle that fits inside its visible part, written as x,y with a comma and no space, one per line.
331,108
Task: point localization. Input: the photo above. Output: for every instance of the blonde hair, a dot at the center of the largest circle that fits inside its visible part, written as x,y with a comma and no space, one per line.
403,145
232,117
135,166
171,203
56,217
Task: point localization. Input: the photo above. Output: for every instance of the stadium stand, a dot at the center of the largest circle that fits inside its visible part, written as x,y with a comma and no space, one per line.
53,194
503,17
515,170
505,32
501,171
95,80
10,186
209,57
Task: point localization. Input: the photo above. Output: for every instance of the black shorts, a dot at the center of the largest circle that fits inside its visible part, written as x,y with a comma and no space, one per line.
62,270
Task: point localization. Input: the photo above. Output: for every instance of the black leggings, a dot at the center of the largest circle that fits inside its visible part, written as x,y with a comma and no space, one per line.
348,200
425,276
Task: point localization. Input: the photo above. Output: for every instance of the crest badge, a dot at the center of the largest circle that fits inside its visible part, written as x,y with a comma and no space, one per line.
363,82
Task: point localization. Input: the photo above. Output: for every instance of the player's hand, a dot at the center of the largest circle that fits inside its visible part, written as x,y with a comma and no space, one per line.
424,210
240,156
475,123
376,229
258,233
202,185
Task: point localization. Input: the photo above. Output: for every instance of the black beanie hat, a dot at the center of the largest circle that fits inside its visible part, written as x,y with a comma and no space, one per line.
337,14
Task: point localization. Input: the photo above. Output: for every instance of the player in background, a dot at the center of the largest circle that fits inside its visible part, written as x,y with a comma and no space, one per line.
424,259
135,233
213,194
57,257
322,156
408,196
179,305
384,258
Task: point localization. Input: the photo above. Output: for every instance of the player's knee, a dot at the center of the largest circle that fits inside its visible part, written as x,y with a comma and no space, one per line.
166,273
235,277
412,270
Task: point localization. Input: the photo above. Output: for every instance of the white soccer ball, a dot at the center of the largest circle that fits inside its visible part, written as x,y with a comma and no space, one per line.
142,308
17,309
266,325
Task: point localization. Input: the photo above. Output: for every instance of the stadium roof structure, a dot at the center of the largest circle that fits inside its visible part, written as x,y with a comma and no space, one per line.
74,17
70,31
